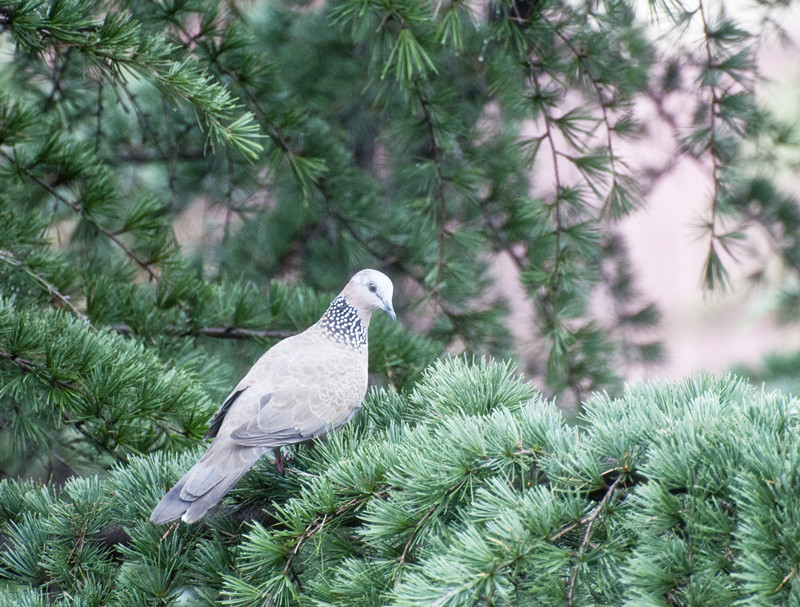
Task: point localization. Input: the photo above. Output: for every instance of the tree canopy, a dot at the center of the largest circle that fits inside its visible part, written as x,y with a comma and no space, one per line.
469,490
423,138
426,139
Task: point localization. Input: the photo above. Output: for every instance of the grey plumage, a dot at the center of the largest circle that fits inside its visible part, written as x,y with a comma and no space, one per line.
299,389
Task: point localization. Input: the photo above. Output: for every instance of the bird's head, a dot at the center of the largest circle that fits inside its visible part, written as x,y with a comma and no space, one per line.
370,290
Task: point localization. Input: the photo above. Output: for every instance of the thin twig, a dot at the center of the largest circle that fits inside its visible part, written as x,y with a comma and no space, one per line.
550,291
58,72
596,85
77,208
713,111
217,332
98,133
318,523
559,229
310,530
415,531
440,196
590,520
789,576
10,258
418,527
577,524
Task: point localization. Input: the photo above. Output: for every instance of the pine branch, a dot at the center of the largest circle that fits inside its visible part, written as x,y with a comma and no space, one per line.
10,258
29,366
414,532
589,521
129,48
146,266
601,102
439,193
554,153
216,332
312,529
550,288
316,526
401,560
714,273
308,180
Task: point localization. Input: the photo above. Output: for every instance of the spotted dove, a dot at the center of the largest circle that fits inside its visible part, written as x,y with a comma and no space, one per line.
301,388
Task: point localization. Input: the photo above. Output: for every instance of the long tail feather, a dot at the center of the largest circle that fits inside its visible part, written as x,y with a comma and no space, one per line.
202,487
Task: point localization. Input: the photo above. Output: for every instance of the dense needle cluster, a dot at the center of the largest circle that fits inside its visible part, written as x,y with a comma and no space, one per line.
342,323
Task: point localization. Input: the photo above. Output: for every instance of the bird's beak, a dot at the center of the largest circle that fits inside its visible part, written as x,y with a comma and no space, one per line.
387,306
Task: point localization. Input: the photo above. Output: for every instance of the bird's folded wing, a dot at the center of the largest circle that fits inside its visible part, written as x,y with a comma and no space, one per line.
219,416
302,395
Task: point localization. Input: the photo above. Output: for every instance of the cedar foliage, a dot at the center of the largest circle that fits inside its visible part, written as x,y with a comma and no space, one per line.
469,490
329,137
333,136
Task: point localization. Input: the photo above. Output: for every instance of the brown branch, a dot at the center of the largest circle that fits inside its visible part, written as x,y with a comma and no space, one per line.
790,575
217,332
309,531
318,523
581,522
589,521
137,156
414,532
77,208
10,258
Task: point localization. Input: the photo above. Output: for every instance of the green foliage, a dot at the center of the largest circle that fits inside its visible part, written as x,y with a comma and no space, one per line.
116,48
77,388
373,134
778,371
315,139
681,493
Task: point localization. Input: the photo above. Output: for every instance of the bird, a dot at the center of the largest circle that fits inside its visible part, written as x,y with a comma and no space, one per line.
300,389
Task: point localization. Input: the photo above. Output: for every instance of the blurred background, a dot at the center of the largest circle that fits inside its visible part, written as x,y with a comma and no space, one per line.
738,327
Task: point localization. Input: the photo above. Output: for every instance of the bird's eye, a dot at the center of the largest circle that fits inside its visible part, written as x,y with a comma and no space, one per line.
372,287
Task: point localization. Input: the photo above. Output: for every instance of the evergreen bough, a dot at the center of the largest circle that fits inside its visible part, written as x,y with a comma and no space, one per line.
468,490
332,136
327,137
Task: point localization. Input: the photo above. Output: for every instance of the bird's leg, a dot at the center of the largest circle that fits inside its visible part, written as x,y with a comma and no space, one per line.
278,459
281,458
172,528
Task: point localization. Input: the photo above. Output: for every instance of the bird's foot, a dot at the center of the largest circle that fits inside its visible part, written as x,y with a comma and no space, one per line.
282,458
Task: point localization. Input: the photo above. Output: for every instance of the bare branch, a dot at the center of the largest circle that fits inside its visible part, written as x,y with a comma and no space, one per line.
10,258
217,332
589,521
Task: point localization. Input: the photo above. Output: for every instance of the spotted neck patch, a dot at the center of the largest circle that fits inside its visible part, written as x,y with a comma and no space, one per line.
342,323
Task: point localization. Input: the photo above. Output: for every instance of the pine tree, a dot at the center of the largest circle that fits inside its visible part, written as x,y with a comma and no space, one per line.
334,136
469,490
337,136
